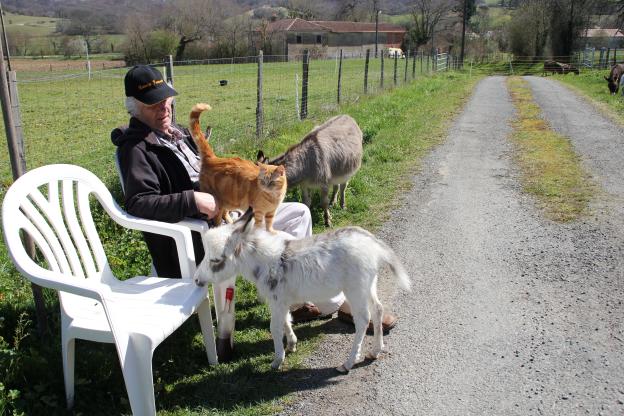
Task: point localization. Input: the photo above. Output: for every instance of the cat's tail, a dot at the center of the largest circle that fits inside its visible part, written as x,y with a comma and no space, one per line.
196,132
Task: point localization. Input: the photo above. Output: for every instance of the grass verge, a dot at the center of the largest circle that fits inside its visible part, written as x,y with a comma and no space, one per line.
551,170
592,85
400,127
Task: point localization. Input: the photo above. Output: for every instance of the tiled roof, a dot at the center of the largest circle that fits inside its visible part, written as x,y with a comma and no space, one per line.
294,25
593,33
300,25
336,26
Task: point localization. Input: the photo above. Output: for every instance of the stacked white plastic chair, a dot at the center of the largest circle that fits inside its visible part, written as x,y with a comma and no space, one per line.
52,205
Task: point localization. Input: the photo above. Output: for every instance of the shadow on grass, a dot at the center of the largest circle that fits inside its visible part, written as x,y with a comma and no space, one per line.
183,379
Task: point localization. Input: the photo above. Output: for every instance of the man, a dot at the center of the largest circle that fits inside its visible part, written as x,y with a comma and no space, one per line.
159,164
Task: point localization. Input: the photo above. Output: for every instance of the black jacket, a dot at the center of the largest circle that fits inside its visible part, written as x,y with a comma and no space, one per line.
157,187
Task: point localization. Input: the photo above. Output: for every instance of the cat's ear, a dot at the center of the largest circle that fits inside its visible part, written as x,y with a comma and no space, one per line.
278,172
261,157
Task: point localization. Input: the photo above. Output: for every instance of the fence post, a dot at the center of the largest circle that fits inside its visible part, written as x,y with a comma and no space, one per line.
422,58
414,55
381,79
304,84
396,62
169,79
447,61
406,61
18,167
339,78
614,56
366,71
259,106
607,60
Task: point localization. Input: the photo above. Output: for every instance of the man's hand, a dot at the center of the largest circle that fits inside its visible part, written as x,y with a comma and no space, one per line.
206,204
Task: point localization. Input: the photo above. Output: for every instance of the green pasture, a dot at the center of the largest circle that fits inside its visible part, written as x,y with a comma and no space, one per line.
33,25
69,121
592,84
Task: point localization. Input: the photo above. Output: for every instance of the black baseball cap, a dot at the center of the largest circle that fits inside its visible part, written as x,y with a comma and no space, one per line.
147,85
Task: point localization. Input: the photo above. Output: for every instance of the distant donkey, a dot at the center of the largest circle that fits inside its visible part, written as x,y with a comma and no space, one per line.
328,155
614,78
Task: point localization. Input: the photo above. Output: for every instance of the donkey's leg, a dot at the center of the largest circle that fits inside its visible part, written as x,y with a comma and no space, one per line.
279,315
325,205
334,196
291,338
305,196
343,187
376,309
361,317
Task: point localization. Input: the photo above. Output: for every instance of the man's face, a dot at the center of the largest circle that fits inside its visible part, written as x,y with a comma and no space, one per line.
156,116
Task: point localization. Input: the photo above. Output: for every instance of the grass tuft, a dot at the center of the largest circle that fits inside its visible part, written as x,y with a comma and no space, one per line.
551,170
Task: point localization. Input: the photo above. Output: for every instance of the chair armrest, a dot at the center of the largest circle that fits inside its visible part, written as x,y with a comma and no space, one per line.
180,233
195,224
69,284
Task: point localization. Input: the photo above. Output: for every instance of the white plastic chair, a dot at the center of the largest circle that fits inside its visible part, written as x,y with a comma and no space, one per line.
52,205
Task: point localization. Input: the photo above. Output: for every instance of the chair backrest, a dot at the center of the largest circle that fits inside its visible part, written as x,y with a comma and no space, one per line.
52,205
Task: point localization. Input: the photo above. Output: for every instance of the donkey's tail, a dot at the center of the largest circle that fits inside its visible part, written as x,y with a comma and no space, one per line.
196,132
393,261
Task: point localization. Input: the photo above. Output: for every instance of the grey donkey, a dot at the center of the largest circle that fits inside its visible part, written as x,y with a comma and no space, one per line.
327,156
288,271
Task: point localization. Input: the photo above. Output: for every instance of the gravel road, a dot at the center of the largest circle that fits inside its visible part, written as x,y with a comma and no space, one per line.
510,314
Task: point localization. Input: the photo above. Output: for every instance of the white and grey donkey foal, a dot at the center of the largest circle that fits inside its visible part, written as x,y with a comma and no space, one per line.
288,271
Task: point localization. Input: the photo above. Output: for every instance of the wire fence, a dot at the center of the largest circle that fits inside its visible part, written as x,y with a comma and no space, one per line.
66,116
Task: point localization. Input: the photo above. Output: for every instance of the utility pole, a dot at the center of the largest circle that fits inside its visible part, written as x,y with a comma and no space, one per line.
463,39
376,31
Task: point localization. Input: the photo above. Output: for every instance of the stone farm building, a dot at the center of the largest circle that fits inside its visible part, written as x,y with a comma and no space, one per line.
325,39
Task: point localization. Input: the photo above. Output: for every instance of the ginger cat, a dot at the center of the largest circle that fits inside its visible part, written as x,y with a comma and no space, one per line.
237,183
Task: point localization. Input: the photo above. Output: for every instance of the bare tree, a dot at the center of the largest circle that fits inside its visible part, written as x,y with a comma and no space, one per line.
427,15
568,18
193,20
529,28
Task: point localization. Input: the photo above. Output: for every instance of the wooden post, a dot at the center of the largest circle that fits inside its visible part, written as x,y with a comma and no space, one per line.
396,63
607,60
366,62
18,168
381,79
259,107
169,79
304,84
339,78
614,56
406,61
414,54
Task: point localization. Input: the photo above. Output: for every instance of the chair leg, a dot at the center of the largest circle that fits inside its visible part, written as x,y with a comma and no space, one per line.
69,350
205,322
137,371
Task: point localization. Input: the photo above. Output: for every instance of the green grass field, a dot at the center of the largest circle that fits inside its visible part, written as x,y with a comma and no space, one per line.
70,120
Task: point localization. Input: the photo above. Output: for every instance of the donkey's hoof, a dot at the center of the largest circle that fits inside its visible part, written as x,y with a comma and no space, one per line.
371,355
342,369
291,347
276,364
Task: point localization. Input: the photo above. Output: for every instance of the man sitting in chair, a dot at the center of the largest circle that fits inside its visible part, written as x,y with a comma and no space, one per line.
160,165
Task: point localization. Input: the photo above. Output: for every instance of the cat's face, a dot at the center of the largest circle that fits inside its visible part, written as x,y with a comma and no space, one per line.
272,176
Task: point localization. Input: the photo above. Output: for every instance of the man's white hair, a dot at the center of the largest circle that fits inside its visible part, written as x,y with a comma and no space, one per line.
132,105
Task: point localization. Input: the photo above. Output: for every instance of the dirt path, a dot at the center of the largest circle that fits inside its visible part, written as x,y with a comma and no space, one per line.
510,314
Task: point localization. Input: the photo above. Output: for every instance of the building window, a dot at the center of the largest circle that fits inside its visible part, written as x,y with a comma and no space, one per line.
299,40
319,39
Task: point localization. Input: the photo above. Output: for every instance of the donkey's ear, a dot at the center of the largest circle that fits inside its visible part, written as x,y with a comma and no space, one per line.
605,77
244,221
260,157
